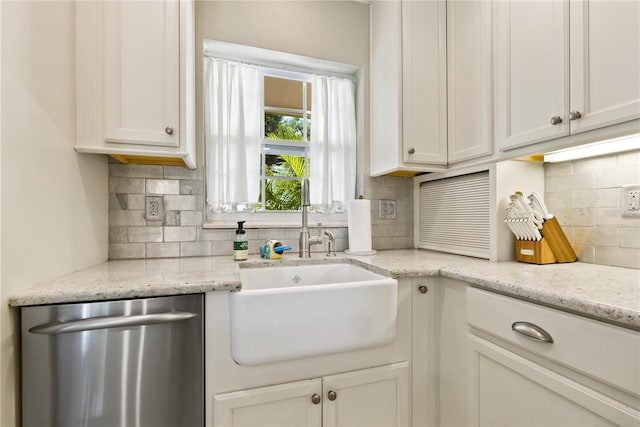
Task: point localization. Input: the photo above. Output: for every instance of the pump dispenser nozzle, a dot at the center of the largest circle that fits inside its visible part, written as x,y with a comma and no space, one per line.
240,229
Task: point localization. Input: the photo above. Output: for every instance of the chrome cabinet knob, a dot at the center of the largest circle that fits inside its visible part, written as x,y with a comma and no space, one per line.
169,130
423,289
332,395
555,120
574,115
315,399
411,150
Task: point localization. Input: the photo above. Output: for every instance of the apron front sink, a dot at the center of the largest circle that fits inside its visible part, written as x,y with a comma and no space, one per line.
284,313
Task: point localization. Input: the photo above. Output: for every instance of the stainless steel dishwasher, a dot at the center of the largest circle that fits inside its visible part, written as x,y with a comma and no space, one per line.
116,363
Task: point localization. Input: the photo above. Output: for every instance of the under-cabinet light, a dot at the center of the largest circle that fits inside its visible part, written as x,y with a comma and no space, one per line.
609,146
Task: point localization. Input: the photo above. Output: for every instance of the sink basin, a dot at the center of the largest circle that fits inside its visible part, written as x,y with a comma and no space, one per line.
284,313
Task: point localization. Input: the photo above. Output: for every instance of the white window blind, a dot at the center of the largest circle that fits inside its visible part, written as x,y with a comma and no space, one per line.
454,215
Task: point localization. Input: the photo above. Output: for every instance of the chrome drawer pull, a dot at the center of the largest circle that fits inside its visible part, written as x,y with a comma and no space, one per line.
532,331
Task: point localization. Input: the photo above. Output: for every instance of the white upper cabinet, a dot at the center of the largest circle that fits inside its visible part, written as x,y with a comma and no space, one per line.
142,55
470,80
135,80
386,84
431,84
408,86
564,67
531,72
605,63
424,82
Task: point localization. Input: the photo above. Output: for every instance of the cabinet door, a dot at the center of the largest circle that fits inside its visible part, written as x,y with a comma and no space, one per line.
470,76
371,397
424,82
531,71
605,63
275,406
508,390
142,72
386,84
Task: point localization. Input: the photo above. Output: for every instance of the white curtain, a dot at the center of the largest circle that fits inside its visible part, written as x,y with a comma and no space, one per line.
232,134
332,149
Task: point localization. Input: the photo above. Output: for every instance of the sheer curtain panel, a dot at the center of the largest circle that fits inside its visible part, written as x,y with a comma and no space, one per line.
332,150
232,134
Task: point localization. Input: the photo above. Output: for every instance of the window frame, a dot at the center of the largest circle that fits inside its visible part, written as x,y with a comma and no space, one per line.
282,61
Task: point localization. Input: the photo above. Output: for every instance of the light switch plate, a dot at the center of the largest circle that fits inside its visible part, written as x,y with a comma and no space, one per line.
386,209
630,201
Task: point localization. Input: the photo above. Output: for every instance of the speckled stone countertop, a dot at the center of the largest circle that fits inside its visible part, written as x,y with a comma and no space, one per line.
135,279
607,293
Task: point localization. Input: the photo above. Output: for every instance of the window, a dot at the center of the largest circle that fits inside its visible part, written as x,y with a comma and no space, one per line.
271,120
286,134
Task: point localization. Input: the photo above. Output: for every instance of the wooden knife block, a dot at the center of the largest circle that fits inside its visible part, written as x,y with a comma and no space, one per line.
560,246
534,252
554,246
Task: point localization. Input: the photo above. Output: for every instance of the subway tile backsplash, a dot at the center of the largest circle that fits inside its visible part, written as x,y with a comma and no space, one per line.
585,195
179,232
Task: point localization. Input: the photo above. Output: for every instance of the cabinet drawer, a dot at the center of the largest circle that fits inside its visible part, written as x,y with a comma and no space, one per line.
600,350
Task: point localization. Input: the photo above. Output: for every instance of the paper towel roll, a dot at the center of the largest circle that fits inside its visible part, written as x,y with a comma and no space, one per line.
359,221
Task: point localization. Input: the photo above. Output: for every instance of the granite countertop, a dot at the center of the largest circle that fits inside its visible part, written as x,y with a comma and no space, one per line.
607,293
134,279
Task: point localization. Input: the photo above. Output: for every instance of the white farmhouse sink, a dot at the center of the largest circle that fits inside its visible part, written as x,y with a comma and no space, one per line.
284,313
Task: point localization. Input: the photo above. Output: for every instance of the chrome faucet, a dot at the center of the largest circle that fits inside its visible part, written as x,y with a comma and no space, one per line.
306,240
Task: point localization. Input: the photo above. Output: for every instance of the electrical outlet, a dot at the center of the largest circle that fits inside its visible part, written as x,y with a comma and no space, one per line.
153,208
630,204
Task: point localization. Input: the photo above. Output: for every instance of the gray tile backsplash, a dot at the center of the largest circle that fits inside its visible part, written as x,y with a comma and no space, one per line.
179,231
585,195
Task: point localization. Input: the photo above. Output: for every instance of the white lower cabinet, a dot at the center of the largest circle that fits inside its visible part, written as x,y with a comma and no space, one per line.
471,368
294,404
438,357
369,397
530,365
508,390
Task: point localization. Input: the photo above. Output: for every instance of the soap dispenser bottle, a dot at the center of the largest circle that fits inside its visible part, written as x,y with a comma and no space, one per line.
240,244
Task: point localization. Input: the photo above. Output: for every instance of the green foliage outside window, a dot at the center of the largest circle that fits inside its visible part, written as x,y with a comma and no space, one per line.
284,194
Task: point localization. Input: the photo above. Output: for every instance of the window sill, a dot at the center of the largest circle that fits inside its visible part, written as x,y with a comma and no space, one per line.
261,225
258,220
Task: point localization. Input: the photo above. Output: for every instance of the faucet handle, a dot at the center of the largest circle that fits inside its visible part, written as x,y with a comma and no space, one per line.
331,243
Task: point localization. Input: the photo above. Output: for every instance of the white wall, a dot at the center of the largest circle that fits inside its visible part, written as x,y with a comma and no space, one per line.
53,201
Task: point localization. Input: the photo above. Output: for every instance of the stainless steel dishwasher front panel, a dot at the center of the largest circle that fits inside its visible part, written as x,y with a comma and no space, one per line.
116,363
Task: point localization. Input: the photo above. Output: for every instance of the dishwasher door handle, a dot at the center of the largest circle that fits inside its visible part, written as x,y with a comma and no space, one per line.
107,322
